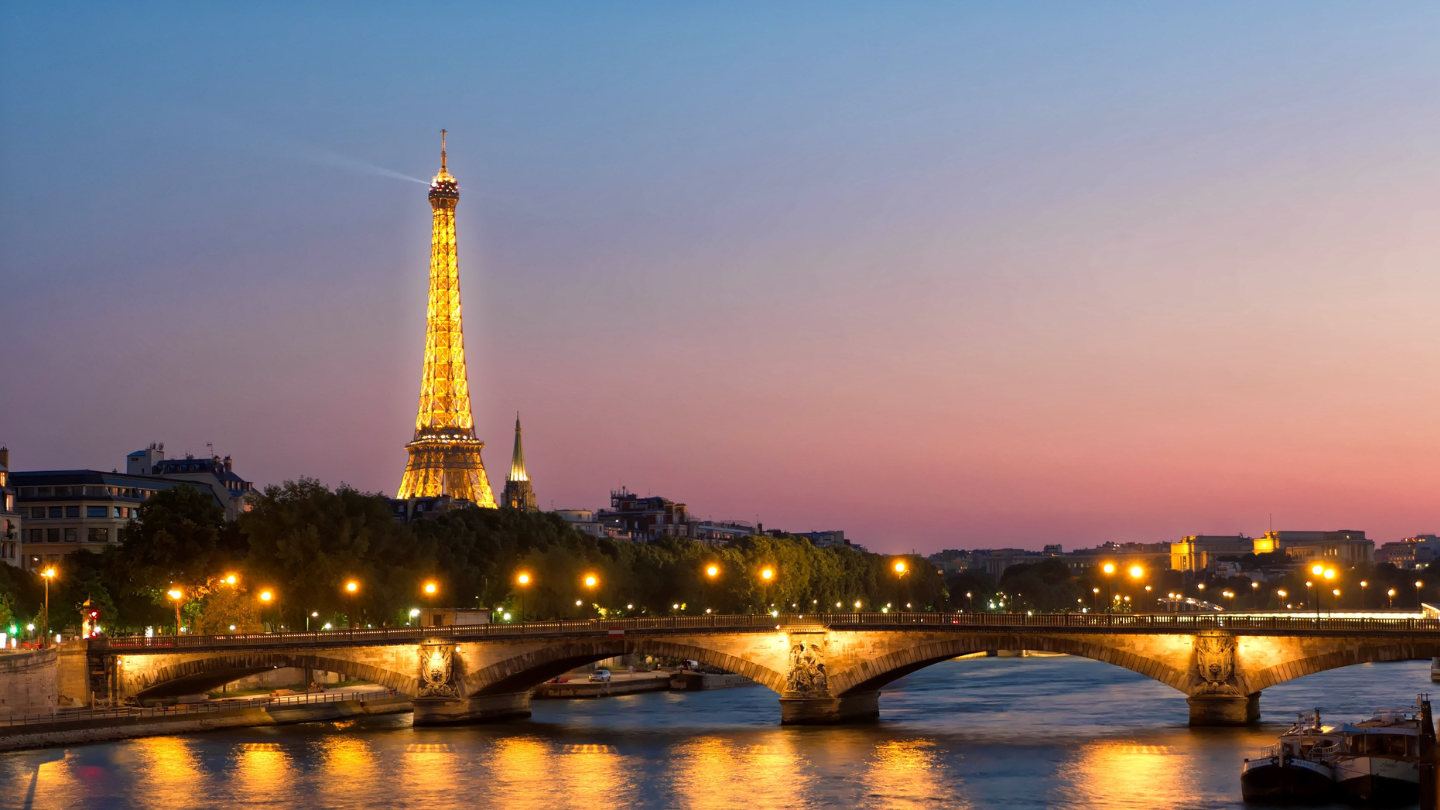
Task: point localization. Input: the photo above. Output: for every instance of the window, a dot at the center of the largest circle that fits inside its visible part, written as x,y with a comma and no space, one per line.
72,511
54,511
97,535
37,512
119,512
52,535
72,535
95,511
37,535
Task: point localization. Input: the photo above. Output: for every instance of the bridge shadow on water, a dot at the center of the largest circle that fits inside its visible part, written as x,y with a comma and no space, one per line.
975,733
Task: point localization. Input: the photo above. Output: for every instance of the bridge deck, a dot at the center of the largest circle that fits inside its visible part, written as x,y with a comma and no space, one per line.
1143,624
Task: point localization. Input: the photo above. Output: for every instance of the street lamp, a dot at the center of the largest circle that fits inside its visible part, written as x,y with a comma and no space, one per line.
1390,598
712,571
523,580
591,581
265,598
899,566
231,579
1363,586
49,574
767,573
351,589
174,593
1418,583
1335,602
1282,594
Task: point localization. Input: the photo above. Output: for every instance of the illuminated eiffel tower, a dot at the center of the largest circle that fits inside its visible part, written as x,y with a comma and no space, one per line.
445,455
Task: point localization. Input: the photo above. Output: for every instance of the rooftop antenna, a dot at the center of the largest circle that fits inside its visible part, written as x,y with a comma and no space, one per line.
442,150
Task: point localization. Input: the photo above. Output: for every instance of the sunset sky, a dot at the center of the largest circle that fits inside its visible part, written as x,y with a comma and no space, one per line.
937,274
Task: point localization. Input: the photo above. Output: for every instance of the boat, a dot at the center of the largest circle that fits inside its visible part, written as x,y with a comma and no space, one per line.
1379,763
1299,769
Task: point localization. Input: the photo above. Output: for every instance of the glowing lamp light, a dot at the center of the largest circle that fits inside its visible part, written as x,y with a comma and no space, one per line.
591,581
713,570
430,588
1136,572
174,593
523,579
577,603
767,574
266,596
231,579
507,617
352,586
413,612
857,603
1329,573
900,567
1317,570
1108,568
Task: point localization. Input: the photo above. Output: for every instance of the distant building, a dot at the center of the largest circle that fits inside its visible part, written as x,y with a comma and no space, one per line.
406,510
215,472
644,518
1199,552
1412,552
721,531
827,539
583,520
11,533
1345,545
1150,556
518,492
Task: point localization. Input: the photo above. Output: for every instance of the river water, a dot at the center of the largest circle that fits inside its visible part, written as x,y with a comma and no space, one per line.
974,733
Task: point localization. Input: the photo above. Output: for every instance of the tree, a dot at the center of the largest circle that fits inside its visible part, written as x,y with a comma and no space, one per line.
306,541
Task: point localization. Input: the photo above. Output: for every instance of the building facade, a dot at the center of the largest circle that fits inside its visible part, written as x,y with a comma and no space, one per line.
1344,545
11,532
644,518
84,510
1199,552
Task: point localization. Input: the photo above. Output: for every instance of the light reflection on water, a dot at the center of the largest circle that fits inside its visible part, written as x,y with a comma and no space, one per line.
1014,733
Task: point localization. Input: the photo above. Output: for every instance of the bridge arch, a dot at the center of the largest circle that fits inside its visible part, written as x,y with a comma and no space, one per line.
1363,652
870,675
202,672
528,670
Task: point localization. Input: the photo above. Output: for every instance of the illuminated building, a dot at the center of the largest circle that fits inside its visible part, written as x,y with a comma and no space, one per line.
519,494
10,532
445,454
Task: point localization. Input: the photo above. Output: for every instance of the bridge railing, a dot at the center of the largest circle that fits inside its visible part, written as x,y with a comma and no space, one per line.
1120,622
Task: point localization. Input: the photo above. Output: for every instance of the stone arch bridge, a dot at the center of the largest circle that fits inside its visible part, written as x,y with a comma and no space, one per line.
825,668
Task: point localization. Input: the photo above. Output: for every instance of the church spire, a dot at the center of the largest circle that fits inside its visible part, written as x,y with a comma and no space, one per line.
517,459
519,494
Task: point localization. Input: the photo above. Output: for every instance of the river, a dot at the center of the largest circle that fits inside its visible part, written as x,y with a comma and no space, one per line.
974,733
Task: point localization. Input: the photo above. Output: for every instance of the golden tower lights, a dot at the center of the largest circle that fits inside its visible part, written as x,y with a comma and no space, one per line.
445,454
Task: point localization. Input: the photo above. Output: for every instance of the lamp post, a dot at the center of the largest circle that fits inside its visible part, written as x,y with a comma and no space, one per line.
266,597
351,589
591,582
430,589
523,580
1390,599
1095,599
1418,605
1109,569
1282,594
1363,586
1335,601
176,595
49,574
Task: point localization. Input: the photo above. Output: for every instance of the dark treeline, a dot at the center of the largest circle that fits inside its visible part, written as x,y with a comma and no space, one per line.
303,542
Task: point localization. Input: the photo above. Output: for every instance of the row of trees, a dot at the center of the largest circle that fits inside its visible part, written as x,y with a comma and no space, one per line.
301,543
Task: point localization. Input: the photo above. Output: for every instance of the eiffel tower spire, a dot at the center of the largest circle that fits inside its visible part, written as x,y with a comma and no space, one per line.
445,454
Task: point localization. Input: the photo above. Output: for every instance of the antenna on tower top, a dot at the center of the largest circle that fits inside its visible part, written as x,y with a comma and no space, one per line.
442,150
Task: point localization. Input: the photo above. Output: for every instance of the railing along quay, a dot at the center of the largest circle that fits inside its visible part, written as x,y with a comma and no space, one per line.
1116,622
262,701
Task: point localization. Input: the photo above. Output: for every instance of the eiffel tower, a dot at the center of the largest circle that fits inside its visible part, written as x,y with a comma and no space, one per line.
445,455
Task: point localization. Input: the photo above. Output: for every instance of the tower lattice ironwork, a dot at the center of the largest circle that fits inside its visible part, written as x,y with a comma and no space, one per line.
445,454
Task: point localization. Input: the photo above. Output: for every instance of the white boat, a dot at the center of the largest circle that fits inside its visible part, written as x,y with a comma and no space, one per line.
1379,763
1300,769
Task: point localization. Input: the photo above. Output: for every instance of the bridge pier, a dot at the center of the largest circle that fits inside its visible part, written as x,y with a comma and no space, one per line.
1224,710
818,711
475,709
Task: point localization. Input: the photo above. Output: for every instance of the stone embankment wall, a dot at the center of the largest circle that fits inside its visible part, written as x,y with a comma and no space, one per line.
28,681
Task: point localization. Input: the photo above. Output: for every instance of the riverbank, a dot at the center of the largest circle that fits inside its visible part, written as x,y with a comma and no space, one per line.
71,728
